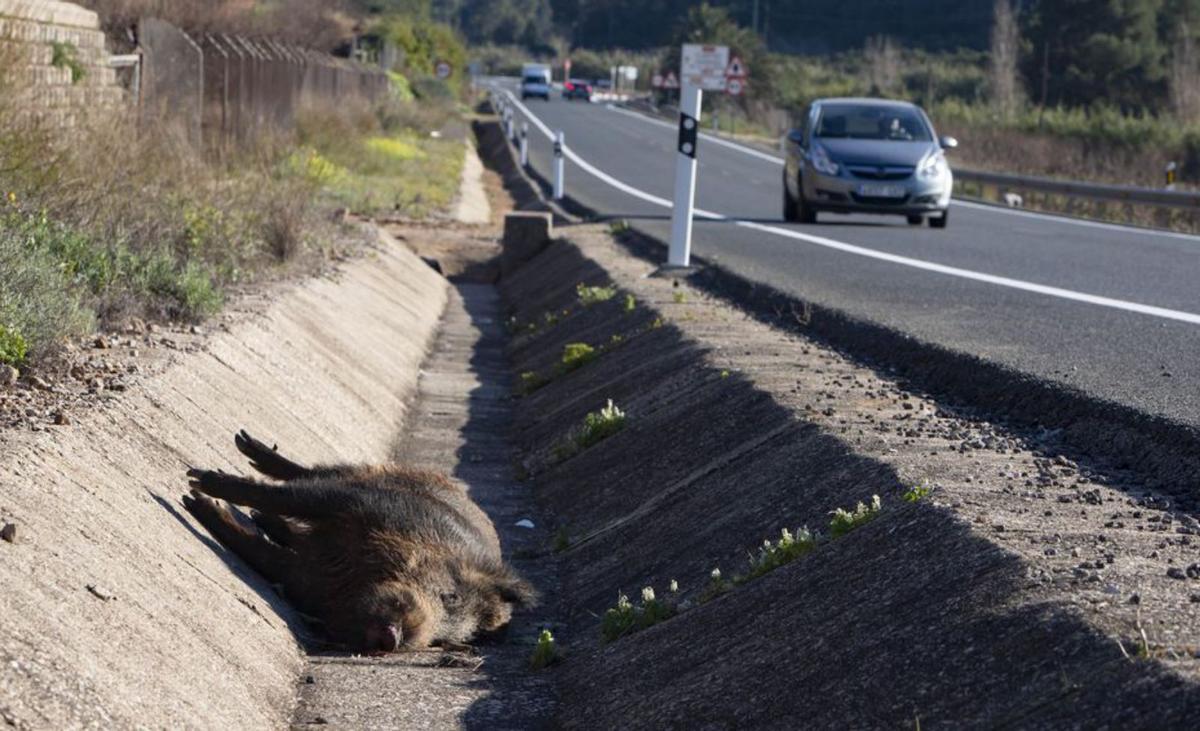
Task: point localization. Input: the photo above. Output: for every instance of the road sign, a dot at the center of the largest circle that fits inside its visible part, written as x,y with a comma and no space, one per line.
736,69
442,70
656,81
671,82
566,69
704,66
735,86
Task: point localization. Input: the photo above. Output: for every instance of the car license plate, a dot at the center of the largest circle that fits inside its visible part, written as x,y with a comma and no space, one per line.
881,191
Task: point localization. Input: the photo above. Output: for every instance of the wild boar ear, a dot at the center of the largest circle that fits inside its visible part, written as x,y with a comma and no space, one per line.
515,591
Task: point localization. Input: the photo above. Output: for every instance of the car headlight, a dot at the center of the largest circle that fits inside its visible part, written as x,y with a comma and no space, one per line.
822,163
933,166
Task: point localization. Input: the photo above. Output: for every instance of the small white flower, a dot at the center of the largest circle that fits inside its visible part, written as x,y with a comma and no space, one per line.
674,586
716,574
766,546
785,536
622,601
647,595
875,503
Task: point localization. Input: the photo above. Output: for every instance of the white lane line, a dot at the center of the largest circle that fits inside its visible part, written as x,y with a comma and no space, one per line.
1051,218
958,202
1008,282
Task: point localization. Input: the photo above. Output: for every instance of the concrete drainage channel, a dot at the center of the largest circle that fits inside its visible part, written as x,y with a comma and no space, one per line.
996,581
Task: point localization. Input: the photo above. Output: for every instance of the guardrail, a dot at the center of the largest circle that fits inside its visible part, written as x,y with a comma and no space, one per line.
1004,182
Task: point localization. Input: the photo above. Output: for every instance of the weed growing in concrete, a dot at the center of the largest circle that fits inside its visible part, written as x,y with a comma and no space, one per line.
619,226
845,521
788,548
717,585
589,296
630,304
916,494
658,322
576,355
531,381
626,618
600,425
679,296
545,653
724,374
66,56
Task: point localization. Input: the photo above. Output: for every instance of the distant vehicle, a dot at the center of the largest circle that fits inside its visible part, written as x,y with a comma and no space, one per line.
535,81
867,156
577,89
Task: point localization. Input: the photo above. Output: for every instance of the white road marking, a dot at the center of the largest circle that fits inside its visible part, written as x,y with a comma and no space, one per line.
1008,282
958,202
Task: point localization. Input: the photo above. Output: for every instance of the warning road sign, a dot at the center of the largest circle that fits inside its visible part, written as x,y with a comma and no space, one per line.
736,69
671,82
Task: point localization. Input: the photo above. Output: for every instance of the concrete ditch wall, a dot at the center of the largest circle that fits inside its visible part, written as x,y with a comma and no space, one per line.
116,609
968,609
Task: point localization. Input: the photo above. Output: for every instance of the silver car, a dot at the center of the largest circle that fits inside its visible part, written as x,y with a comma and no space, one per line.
867,156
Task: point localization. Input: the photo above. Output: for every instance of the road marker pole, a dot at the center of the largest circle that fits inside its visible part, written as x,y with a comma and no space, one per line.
685,176
510,124
559,165
524,144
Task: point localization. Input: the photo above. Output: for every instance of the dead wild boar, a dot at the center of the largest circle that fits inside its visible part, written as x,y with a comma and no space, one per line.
386,557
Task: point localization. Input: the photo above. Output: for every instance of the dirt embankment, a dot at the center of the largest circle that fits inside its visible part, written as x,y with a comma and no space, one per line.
115,609
1024,586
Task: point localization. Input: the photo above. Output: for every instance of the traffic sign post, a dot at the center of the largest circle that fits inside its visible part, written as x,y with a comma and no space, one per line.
702,67
442,70
524,144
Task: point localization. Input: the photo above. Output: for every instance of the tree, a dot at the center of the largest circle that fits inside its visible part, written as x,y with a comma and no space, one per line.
1003,85
1088,51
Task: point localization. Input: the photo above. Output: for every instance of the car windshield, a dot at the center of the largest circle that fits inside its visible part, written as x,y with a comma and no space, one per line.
872,122
534,80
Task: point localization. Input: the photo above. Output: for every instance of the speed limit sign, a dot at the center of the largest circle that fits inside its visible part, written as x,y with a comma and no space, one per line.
735,86
442,69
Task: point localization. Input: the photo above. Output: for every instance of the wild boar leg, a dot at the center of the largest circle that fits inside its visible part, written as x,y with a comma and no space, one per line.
273,562
299,502
267,460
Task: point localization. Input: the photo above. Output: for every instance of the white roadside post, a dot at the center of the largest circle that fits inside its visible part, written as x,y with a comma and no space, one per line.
510,123
559,165
702,67
524,144
685,176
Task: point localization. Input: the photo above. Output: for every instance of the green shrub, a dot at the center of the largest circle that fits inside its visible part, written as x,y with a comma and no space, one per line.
576,355
66,56
589,296
531,381
626,618
916,494
788,548
13,347
630,304
600,425
845,521
545,653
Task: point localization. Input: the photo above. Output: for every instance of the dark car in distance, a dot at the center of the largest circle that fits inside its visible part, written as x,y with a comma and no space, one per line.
867,156
577,89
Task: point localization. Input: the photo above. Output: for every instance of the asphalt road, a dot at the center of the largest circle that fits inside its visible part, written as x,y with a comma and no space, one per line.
1111,310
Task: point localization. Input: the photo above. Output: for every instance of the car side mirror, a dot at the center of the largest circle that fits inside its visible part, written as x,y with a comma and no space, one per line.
948,143
796,137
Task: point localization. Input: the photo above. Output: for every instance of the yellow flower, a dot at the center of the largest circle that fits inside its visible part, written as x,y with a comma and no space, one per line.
12,198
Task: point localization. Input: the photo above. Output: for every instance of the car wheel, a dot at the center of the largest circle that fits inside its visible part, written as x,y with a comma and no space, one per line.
804,212
790,214
940,221
916,220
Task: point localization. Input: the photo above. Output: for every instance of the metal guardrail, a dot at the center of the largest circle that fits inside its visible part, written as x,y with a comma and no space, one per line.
1092,191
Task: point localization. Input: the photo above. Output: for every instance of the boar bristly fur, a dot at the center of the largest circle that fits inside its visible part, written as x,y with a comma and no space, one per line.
386,557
